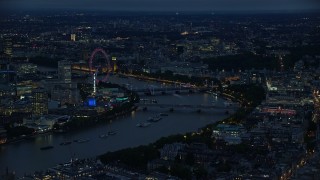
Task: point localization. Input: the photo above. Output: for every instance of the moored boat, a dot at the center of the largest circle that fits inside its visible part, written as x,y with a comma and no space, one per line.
154,119
65,143
82,140
103,135
112,132
144,124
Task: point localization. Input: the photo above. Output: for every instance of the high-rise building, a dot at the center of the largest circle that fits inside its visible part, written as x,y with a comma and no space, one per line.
26,68
73,37
39,102
65,95
64,71
7,76
84,57
24,88
8,46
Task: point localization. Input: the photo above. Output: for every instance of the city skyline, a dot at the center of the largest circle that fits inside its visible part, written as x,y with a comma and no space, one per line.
162,5
180,89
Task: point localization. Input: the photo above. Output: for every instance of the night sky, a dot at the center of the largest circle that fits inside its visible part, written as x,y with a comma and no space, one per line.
162,5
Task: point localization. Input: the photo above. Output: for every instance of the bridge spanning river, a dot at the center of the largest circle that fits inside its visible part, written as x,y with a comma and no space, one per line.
152,90
201,106
154,103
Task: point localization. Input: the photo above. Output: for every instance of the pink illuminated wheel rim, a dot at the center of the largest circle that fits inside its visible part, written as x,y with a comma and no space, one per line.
95,69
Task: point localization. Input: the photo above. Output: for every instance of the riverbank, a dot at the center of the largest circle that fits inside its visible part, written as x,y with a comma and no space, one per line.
70,129
128,135
80,123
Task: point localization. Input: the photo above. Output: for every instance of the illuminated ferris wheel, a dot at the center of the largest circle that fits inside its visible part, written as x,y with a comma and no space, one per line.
100,66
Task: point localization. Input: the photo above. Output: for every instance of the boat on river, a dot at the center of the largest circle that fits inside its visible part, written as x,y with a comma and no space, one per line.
154,119
82,140
112,132
65,143
144,124
163,114
103,135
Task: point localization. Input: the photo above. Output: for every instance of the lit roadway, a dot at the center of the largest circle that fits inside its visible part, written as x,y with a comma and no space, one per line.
154,79
86,69
309,155
201,106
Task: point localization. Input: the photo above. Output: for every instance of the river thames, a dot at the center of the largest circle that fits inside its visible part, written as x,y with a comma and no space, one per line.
27,157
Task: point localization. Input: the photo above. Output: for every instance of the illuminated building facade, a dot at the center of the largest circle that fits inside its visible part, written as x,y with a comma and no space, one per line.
26,68
39,102
73,37
8,46
7,91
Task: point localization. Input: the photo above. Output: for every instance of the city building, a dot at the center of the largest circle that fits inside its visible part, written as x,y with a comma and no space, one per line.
229,133
170,151
39,102
8,46
73,37
6,74
64,71
7,90
44,123
24,88
65,95
26,69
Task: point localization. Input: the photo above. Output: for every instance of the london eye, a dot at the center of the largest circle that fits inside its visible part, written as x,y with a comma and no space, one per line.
96,67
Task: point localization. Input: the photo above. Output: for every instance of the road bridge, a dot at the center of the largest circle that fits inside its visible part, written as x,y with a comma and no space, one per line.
154,103
167,90
200,106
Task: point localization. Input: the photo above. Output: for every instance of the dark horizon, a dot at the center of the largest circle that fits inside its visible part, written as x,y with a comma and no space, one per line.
160,12
162,6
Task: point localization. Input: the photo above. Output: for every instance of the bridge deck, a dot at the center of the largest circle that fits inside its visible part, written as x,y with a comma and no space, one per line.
167,89
186,106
